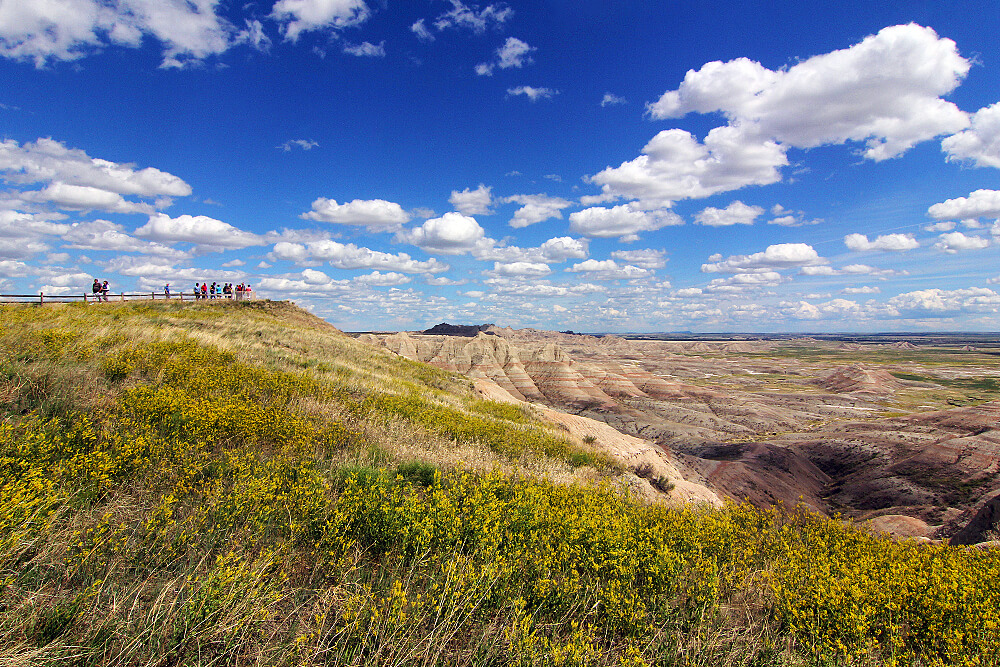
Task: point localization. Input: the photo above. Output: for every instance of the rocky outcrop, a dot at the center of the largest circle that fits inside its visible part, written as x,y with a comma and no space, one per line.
983,526
858,378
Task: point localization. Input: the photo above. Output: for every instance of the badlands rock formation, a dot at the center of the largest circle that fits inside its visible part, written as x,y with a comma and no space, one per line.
754,420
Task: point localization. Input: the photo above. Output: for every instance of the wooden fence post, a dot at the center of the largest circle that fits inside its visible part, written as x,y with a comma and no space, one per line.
123,296
41,297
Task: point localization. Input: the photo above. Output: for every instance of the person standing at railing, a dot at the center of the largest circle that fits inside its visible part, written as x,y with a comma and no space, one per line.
197,291
96,289
248,292
104,290
204,291
166,290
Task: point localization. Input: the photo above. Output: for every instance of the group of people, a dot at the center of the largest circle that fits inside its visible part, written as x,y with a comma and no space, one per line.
227,291
100,290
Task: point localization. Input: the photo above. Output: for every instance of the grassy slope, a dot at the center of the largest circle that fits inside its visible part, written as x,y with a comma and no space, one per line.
238,483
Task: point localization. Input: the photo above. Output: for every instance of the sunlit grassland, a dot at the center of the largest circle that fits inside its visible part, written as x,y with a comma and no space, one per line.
230,484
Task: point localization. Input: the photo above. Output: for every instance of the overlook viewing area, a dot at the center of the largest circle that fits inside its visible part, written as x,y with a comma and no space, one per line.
89,297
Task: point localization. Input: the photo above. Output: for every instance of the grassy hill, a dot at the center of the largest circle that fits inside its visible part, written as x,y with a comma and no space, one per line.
240,483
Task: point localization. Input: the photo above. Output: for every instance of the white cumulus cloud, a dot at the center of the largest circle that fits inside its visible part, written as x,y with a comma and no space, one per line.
390,279
980,144
737,213
50,161
674,165
624,221
371,213
979,204
473,202
451,234
198,229
536,208
608,269
943,303
773,258
644,259
298,16
521,269
887,242
952,242
46,30
350,256
885,91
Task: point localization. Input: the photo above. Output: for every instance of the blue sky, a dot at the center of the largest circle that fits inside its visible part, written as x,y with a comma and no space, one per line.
640,166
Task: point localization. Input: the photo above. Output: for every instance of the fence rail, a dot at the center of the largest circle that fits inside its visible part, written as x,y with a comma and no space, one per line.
89,297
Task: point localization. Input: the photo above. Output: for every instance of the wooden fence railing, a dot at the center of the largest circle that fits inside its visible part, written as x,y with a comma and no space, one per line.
88,297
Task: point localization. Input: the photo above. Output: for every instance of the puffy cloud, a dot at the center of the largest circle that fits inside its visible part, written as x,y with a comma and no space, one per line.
108,236
314,277
860,290
608,269
15,224
84,198
532,93
513,53
741,282
944,303
737,213
521,269
442,281
298,16
674,165
47,160
885,91
940,227
624,221
561,248
535,208
366,49
540,288
473,202
293,286
644,259
56,282
350,256
979,144
773,258
462,16
979,204
390,279
451,234
13,269
13,248
553,251
197,229
952,242
888,242
44,30
372,213
610,99
785,218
